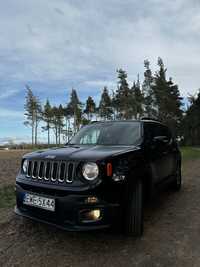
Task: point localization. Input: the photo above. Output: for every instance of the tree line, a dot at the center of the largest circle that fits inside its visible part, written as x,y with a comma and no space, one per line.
156,97
190,127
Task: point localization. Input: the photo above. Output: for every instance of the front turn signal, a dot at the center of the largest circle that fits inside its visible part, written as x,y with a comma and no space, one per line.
109,169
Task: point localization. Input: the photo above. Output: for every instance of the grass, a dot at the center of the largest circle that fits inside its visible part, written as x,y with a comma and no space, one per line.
190,153
7,197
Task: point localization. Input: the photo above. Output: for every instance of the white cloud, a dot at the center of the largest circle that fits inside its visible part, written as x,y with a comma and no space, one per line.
8,93
14,139
47,41
11,114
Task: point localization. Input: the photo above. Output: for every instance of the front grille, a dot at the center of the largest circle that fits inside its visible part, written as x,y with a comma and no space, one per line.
53,171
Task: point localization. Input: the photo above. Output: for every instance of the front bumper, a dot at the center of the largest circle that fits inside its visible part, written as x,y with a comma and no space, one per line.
68,207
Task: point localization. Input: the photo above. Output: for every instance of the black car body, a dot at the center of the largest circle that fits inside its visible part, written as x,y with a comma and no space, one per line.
100,177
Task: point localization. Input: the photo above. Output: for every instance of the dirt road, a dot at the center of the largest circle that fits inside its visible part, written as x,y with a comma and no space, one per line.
171,237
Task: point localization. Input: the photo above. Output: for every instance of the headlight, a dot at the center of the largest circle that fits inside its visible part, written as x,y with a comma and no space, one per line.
90,171
25,165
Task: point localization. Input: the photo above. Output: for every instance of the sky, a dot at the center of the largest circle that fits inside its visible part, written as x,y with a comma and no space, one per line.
54,45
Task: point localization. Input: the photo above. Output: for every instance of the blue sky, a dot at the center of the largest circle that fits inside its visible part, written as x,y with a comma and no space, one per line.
56,45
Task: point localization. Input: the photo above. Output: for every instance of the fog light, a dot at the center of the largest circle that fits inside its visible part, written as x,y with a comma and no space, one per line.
95,214
118,177
90,215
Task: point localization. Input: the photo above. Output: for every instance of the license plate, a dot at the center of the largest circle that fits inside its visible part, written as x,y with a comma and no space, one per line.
40,202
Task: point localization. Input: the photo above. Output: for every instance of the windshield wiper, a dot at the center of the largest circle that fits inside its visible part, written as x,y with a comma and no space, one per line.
72,145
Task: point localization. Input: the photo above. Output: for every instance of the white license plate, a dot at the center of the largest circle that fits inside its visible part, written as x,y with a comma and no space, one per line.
40,202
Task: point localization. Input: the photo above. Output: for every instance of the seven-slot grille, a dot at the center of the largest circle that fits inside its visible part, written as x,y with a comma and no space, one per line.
55,171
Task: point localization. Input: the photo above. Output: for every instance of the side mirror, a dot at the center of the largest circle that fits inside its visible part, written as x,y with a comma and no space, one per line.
161,139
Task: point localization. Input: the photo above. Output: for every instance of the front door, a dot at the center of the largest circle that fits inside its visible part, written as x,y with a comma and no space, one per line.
158,152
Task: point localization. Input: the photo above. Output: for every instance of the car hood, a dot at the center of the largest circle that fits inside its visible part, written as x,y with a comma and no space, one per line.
73,152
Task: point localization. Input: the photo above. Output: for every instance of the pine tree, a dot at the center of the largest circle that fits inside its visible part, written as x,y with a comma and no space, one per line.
149,97
57,122
105,105
161,91
191,122
174,106
138,99
33,111
90,108
167,98
67,115
124,99
47,118
60,122
29,111
38,118
74,107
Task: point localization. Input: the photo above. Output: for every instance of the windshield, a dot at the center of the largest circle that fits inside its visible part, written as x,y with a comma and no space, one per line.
109,133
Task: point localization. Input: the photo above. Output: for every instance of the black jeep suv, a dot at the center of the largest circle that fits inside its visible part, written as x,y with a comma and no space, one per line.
100,177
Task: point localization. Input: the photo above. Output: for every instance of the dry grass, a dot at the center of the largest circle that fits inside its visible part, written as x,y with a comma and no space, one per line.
9,166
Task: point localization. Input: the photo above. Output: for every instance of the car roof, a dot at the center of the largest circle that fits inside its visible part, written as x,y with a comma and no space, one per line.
115,121
142,121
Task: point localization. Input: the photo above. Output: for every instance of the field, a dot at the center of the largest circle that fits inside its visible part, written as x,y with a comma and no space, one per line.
171,237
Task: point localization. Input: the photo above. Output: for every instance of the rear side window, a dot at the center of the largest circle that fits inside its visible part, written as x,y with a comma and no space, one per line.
161,130
152,130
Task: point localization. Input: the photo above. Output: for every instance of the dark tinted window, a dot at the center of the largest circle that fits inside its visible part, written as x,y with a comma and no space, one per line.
152,130
160,130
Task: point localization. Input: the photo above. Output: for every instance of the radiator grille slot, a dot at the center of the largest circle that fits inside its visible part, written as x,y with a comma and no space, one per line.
70,172
29,169
51,171
41,170
62,172
35,168
54,171
48,170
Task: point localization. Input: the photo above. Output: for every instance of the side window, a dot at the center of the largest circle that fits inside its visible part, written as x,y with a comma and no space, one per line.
152,130
160,130
164,131
149,131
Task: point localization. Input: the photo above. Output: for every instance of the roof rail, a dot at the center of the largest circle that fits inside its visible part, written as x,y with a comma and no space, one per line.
150,119
91,122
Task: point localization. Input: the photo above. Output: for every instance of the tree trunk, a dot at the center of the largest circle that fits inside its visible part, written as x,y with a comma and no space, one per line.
33,134
74,123
59,135
48,129
68,131
36,127
56,135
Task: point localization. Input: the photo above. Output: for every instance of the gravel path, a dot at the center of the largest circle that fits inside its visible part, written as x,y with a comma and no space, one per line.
171,237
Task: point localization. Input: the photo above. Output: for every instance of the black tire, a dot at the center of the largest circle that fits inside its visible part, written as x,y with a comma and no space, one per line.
134,211
177,183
